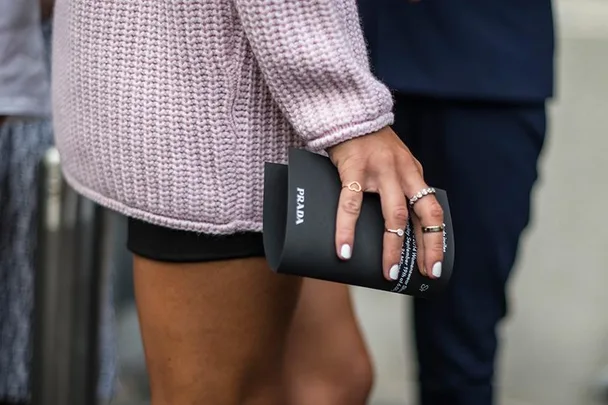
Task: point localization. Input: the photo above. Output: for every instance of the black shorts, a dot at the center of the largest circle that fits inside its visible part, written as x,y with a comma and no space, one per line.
169,245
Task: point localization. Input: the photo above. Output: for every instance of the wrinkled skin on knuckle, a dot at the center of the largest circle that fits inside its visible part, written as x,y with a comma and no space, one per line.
351,206
435,212
436,247
400,214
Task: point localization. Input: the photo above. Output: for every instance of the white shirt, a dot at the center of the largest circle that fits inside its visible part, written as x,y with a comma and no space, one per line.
24,80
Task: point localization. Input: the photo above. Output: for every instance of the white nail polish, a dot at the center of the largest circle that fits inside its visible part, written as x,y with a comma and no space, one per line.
345,252
436,271
394,272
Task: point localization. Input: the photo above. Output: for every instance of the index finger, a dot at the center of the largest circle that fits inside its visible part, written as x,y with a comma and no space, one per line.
349,207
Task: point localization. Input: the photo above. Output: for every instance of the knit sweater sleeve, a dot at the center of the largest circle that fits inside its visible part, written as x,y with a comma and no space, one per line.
313,58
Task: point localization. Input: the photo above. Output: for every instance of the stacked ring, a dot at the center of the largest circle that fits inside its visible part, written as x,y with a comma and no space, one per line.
422,193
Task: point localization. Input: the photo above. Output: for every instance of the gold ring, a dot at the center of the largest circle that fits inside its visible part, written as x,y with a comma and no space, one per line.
431,229
354,186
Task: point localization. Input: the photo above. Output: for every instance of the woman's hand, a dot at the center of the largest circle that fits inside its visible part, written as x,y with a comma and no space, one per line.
381,163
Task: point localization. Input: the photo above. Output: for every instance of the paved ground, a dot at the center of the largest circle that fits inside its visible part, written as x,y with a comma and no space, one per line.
555,343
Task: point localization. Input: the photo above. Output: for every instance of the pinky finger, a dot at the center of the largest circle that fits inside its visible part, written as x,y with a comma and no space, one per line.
419,244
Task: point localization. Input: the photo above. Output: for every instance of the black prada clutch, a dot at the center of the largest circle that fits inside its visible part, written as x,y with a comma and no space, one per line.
300,205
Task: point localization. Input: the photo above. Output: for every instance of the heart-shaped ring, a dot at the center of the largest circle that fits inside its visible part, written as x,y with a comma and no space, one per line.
354,186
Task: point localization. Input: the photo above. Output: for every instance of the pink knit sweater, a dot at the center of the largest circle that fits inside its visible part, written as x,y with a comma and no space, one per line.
166,110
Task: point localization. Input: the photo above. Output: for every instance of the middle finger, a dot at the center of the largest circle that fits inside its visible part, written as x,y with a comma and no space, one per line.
394,210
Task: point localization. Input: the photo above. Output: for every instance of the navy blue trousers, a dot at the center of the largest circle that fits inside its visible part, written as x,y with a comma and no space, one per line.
485,155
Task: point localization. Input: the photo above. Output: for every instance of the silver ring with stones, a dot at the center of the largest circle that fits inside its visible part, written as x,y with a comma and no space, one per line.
422,193
399,232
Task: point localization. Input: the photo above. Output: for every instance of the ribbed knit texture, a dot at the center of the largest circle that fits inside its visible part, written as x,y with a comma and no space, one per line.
166,110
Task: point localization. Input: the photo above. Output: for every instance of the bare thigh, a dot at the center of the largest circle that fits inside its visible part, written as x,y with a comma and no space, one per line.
214,333
327,361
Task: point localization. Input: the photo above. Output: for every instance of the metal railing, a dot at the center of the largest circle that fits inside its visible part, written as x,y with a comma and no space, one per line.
71,275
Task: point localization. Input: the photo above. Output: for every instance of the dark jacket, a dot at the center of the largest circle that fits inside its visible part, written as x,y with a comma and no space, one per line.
479,49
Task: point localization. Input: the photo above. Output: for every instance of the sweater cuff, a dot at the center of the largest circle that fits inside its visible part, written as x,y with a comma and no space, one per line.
346,132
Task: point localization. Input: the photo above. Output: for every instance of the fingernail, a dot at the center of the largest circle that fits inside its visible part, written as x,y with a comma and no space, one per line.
345,251
394,272
436,271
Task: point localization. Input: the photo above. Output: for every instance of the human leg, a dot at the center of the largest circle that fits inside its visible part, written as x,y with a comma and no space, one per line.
327,362
485,155
214,332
